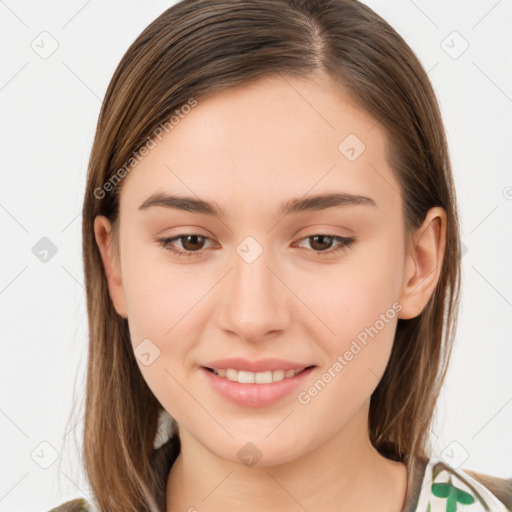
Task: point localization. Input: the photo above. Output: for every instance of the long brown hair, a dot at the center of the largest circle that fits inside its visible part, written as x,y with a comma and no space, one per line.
192,50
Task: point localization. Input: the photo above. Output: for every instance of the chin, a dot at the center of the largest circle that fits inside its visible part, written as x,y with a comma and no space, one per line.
261,451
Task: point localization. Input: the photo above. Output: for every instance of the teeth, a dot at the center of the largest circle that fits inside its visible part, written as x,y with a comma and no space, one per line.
231,374
275,376
244,377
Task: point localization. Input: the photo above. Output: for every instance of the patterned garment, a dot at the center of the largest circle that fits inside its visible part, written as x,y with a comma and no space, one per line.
443,489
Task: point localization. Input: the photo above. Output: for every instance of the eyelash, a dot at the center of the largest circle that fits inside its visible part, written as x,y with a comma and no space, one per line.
166,243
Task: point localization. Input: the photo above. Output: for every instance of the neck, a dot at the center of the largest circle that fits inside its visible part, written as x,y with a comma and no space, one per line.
344,474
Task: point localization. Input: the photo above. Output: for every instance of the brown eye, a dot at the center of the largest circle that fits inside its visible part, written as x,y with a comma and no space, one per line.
322,243
192,244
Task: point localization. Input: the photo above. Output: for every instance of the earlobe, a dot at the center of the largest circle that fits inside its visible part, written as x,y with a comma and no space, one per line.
423,263
111,265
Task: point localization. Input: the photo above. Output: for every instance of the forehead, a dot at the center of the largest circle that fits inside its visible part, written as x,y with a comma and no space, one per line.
253,146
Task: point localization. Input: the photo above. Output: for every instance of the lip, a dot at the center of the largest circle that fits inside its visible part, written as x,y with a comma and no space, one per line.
262,365
255,395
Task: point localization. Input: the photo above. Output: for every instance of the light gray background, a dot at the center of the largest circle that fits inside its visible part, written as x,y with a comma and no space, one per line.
50,108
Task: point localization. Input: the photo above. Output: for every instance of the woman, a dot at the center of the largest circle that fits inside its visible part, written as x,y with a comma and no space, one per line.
272,262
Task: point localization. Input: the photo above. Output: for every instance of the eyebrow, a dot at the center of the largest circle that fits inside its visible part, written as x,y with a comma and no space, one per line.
294,205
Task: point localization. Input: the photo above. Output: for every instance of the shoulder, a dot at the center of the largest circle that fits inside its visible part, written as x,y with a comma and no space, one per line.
447,488
500,487
76,505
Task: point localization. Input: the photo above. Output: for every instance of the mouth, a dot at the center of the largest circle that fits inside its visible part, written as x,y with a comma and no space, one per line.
265,377
256,389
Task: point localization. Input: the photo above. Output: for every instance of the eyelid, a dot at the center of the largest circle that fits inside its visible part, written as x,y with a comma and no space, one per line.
324,229
344,243
176,238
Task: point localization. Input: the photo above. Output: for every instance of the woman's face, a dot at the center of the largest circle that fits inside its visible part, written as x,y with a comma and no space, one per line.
266,284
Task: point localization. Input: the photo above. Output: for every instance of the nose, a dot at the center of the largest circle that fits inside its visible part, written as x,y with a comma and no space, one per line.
256,302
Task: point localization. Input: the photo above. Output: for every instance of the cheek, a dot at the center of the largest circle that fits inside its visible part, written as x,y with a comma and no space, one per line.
163,306
157,293
157,317
354,294
359,309
357,304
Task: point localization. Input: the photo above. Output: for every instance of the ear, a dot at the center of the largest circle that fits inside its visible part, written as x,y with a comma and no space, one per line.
424,261
110,256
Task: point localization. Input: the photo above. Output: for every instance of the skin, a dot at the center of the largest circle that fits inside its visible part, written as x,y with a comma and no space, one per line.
249,149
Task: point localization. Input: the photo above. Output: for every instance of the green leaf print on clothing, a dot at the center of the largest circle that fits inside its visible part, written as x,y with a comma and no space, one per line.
453,494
